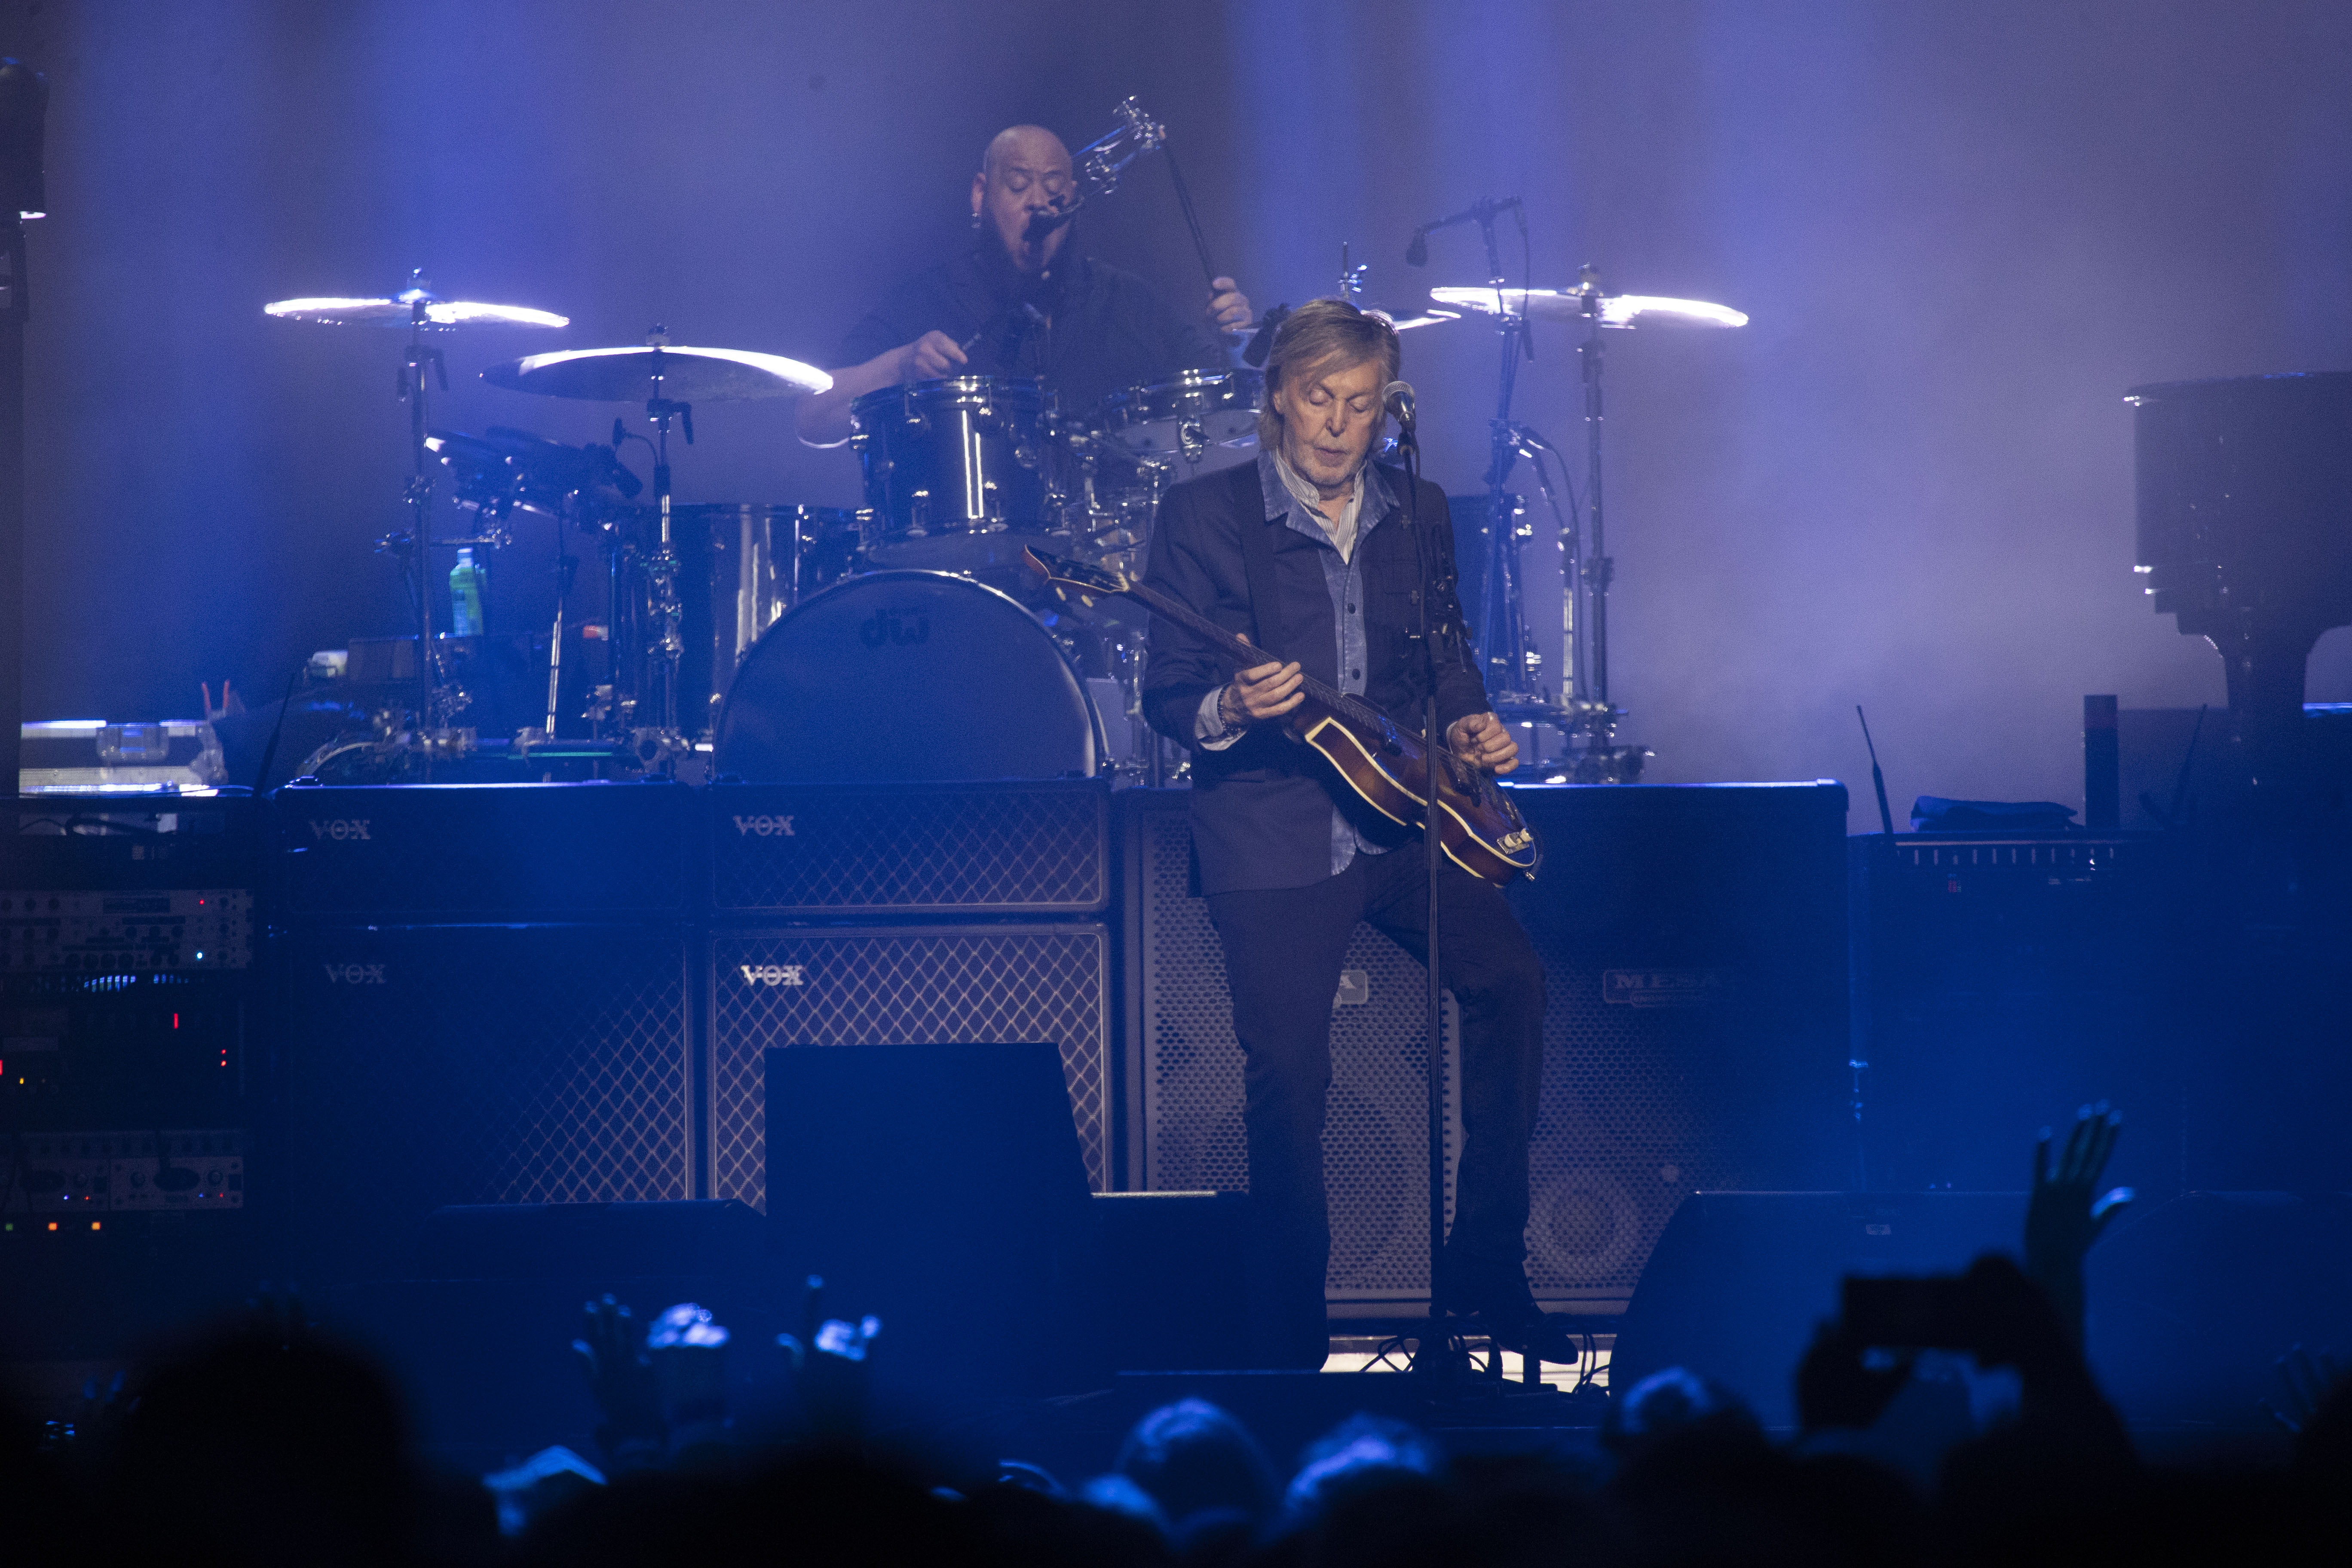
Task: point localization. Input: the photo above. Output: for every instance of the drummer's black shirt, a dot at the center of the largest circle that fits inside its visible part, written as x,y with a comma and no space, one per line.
1097,328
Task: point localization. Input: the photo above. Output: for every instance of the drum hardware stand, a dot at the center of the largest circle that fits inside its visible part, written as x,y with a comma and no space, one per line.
1602,761
661,745
412,391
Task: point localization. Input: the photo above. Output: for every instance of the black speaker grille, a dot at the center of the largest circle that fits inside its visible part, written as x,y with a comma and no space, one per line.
1375,1138
473,1065
897,986
976,849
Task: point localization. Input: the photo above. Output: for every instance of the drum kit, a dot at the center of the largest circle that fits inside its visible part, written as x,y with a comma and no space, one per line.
903,639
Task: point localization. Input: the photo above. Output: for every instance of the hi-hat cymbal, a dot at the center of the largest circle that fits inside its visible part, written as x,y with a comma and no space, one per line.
1614,309
440,314
638,372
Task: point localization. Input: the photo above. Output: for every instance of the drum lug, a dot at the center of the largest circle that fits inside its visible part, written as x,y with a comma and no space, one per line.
1193,440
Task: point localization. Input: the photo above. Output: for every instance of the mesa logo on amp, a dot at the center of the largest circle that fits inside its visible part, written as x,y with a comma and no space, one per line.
1664,987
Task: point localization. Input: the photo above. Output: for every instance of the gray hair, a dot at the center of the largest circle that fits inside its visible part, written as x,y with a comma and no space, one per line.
1319,332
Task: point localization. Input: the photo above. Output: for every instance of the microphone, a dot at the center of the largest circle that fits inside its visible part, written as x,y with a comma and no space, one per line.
1397,398
1481,211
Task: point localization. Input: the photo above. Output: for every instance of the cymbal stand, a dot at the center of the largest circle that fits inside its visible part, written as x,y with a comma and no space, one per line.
1507,655
1602,760
420,507
661,573
1599,568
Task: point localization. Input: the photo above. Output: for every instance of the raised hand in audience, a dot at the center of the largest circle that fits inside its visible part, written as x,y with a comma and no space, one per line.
2062,1218
611,1351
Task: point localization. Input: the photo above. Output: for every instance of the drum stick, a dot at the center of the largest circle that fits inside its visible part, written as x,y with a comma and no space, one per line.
1191,218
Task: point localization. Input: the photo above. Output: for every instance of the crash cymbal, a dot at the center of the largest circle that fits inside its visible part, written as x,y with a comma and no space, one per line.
1426,318
440,314
1571,304
685,374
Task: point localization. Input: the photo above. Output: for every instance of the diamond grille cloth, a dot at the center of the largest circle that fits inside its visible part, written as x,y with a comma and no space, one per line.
899,986
982,850
1375,1137
477,1065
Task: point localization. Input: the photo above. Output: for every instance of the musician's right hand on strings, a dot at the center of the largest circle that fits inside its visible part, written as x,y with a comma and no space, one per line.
1257,695
929,357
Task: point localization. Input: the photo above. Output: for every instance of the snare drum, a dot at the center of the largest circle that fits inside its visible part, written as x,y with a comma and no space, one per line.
1203,420
959,472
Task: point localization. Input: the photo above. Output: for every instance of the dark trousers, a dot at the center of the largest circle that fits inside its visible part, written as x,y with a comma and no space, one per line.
1284,948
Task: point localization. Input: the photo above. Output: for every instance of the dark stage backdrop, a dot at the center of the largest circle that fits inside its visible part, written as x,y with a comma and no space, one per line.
1962,230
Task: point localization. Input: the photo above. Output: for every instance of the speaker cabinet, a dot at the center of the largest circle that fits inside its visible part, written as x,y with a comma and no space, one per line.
1185,1078
2002,980
885,985
1693,939
418,854
1738,1280
426,1066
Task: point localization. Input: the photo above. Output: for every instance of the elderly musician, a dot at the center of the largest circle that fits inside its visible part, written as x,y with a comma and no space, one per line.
1311,554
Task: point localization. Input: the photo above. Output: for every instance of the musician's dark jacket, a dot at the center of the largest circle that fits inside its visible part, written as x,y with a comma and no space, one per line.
1262,807
1109,330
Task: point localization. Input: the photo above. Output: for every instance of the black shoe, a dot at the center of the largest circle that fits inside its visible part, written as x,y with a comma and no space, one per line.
1497,1294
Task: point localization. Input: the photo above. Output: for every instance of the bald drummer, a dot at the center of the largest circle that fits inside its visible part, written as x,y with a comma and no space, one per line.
1024,301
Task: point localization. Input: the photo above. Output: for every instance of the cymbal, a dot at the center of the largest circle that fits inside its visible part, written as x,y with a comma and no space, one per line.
1426,318
686,375
439,314
1615,310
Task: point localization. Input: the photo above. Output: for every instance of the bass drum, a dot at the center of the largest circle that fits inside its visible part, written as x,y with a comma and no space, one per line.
906,676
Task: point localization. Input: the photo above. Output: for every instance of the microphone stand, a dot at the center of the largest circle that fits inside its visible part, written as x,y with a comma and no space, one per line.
1437,1356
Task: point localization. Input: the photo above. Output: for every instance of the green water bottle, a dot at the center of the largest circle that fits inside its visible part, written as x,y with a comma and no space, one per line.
469,586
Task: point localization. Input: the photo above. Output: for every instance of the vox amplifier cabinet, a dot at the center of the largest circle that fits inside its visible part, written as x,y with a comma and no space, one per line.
1694,941
1184,1077
953,851
443,853
810,987
427,1065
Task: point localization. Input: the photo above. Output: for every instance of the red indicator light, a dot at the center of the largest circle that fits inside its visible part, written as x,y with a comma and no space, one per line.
175,1020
